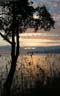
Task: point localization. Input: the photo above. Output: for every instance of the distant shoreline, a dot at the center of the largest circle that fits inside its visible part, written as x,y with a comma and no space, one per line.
31,50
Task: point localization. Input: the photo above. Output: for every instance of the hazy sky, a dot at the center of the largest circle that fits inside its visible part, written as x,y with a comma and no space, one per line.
53,7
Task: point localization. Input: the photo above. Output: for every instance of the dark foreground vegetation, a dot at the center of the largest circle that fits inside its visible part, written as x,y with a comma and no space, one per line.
35,75
52,88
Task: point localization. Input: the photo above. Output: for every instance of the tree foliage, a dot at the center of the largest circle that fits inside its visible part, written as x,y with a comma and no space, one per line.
24,15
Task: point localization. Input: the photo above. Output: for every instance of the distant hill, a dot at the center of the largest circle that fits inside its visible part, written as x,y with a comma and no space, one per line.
32,50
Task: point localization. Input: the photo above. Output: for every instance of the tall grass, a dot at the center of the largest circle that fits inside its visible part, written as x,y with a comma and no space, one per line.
32,71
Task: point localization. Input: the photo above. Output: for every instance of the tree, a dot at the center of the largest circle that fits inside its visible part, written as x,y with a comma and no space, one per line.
20,17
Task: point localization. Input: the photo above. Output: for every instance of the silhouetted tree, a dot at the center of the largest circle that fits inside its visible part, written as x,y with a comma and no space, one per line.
19,17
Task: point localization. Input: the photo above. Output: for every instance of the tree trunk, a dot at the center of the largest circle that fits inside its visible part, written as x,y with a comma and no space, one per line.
14,57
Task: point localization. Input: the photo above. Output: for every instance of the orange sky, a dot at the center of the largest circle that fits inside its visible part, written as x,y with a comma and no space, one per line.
40,38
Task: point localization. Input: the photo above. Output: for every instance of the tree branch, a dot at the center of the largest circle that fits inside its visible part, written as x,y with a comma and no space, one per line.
5,38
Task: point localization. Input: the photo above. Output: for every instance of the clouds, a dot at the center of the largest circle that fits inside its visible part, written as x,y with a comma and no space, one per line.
52,5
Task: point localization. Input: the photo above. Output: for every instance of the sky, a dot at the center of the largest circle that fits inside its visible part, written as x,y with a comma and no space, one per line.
53,7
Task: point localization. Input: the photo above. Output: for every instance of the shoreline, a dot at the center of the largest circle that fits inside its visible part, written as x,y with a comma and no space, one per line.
32,50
